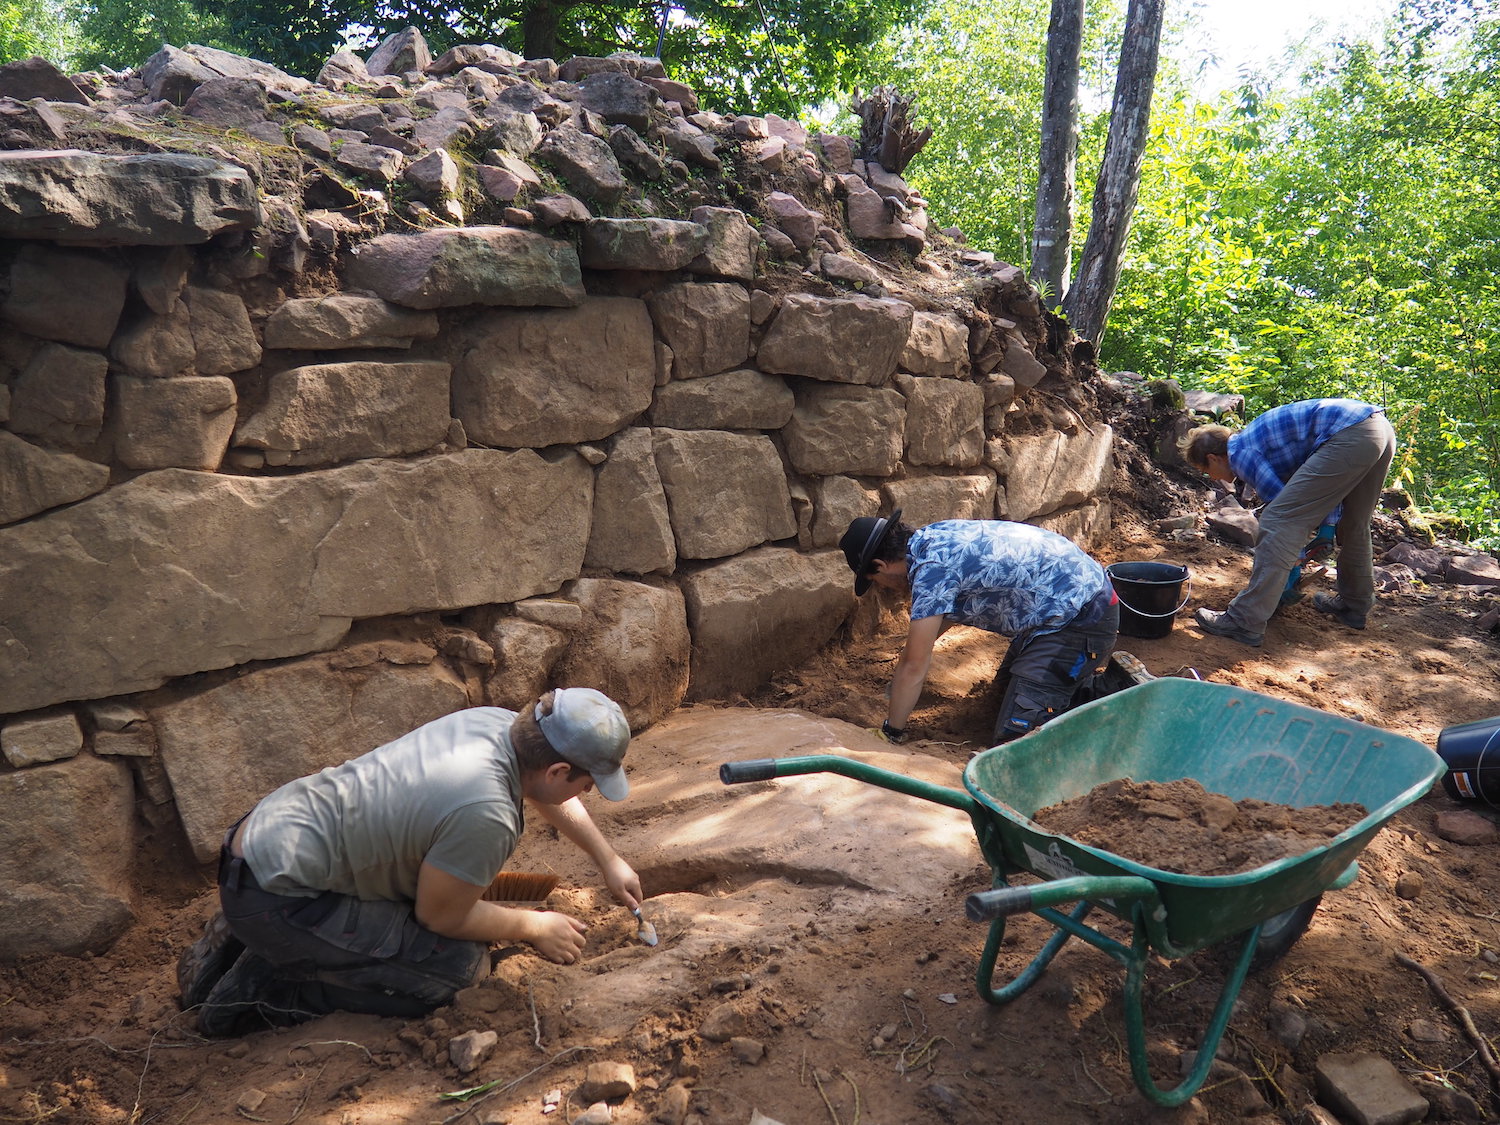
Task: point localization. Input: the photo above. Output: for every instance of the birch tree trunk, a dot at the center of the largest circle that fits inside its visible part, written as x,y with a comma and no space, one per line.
1087,303
1052,237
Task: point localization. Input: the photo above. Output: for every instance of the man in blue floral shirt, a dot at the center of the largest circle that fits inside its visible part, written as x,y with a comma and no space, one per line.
1315,464
1038,588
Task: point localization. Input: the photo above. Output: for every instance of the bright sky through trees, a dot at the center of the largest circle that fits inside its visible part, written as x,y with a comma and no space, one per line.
1253,33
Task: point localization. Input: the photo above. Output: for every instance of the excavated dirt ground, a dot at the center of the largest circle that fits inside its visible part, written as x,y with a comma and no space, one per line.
867,1012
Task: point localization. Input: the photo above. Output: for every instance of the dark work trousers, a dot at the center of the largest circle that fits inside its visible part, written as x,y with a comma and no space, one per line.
336,952
1045,675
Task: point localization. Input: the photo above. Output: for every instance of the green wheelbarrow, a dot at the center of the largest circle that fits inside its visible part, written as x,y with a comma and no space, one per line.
1235,742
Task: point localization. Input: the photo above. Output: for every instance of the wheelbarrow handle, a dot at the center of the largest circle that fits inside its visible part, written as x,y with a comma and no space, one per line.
981,906
756,769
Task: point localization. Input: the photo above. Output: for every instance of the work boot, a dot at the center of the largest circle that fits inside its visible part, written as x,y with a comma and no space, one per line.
206,960
251,996
1126,670
1212,621
1334,607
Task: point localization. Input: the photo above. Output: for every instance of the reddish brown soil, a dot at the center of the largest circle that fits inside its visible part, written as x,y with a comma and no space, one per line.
875,1022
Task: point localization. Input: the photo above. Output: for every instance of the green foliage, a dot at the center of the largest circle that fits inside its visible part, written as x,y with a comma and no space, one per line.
1340,239
30,28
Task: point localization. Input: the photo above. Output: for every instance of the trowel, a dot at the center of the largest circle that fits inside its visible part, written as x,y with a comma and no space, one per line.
645,932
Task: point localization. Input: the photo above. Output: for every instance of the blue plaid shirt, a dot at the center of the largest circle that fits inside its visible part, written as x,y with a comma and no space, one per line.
1007,578
1270,449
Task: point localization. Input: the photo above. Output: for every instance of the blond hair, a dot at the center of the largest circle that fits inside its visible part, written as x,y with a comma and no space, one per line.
1201,441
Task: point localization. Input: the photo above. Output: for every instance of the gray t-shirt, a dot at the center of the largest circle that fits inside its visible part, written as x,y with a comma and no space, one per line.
448,794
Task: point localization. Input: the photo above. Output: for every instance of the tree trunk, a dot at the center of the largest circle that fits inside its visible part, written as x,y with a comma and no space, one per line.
539,30
1087,303
1052,238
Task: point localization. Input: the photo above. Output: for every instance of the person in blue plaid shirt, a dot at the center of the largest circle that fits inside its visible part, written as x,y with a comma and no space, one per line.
1038,588
1316,465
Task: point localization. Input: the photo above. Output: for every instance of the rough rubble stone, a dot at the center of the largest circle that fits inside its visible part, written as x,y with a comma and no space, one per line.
632,644
157,346
1368,1089
641,244
228,745
793,218
635,154
836,502
345,320
725,492
323,414
585,162
791,603
229,103
619,99
67,843
37,78
853,431
33,479
155,199
838,340
632,530
1021,365
706,324
607,1081
468,266
56,293
468,1050
401,53
182,423
546,377
177,572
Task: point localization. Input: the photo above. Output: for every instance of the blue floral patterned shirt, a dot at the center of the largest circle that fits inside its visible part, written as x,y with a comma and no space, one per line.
1270,449
1007,578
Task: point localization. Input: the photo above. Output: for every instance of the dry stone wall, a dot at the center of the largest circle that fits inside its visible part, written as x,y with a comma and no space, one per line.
327,408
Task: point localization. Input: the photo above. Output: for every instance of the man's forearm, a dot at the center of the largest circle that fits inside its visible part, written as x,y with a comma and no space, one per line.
572,820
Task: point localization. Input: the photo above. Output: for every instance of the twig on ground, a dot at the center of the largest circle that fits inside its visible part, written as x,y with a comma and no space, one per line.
536,1022
1461,1016
331,1043
306,1093
488,1090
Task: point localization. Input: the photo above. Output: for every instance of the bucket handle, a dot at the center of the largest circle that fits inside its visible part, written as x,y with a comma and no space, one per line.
1142,613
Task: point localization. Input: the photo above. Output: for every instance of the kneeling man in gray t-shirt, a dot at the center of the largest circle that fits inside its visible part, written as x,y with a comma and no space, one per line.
361,887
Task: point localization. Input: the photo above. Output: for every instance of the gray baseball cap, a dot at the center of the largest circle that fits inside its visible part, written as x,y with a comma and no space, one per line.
588,729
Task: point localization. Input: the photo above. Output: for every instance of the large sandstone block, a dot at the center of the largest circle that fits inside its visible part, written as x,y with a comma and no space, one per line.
944,421
56,293
838,340
837,501
632,529
726,492
177,572
854,431
33,479
344,320
927,499
330,412
938,345
59,396
156,345
67,840
1055,470
227,747
154,199
533,379
223,341
1087,525
525,654
468,266
736,400
790,603
173,423
662,245
707,326
632,645
733,244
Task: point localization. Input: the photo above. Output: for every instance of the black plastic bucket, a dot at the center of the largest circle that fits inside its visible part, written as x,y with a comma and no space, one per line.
1150,595
1472,751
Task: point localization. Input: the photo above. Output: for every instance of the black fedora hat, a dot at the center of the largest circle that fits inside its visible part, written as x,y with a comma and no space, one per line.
862,541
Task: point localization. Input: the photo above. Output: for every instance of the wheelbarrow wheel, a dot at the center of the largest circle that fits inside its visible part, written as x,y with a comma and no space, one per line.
1280,932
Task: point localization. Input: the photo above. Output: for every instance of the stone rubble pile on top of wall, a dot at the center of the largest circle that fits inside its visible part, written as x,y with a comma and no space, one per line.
328,408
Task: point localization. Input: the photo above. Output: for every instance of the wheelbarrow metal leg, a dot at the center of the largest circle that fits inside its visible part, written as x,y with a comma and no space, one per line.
1135,1023
984,978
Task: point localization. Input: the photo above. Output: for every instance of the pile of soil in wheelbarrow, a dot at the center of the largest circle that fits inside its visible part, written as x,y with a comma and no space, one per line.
1180,826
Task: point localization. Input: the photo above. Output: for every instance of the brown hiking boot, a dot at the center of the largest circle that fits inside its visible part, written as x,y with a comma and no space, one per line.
1334,607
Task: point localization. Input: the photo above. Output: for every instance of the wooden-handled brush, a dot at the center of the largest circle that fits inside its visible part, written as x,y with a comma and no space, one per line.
521,886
